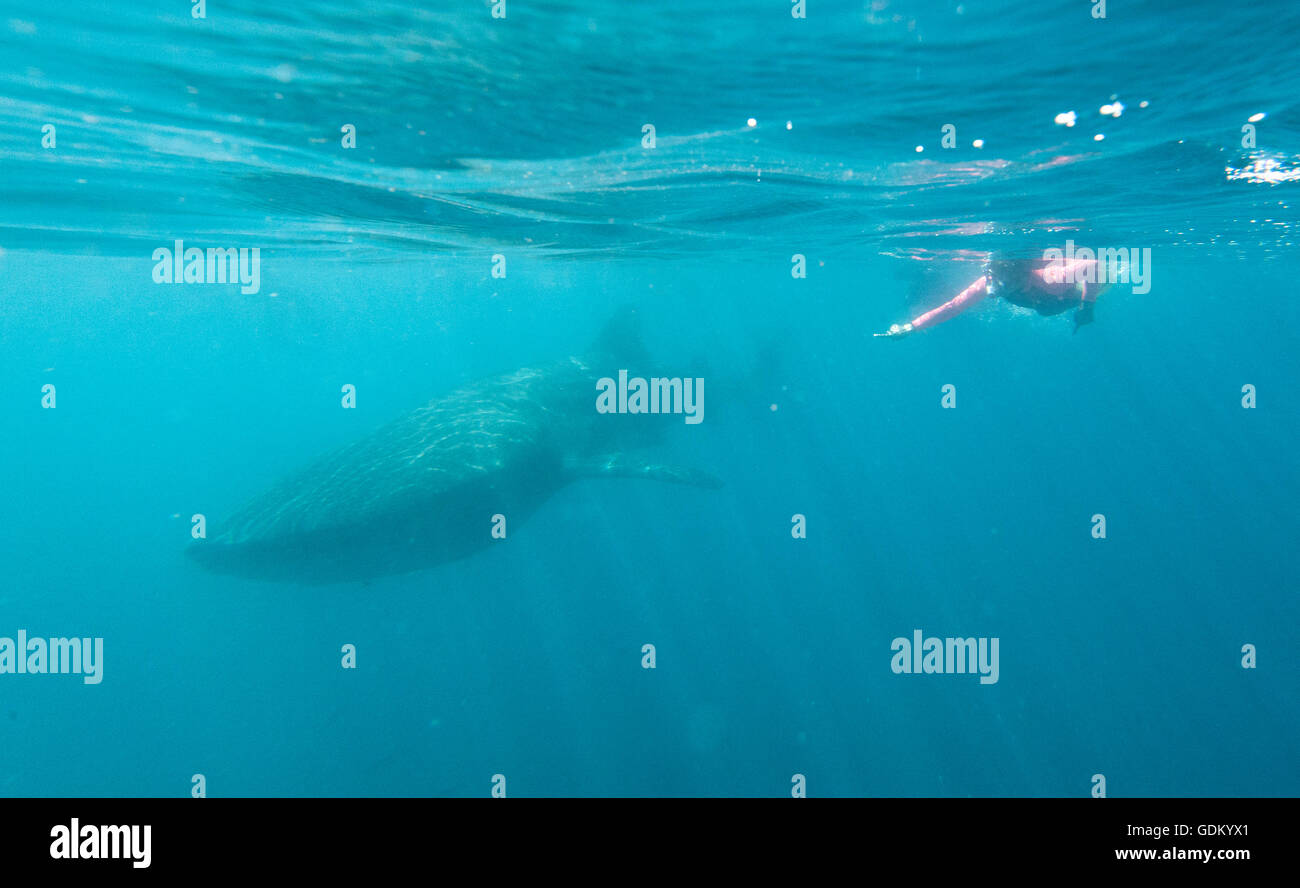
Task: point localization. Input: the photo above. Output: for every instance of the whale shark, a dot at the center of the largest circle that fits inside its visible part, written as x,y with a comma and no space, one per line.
423,489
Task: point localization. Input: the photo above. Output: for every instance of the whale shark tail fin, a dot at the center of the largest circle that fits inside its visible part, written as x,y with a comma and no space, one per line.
621,465
620,339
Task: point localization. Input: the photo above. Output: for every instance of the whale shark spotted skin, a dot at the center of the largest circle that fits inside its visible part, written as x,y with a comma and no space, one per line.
421,490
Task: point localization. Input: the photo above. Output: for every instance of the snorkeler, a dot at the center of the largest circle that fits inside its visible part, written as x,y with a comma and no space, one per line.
1048,286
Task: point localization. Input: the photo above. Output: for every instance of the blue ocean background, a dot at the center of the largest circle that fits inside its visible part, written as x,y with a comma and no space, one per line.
522,137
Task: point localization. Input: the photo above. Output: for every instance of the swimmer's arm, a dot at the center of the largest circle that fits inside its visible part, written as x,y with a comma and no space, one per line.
973,293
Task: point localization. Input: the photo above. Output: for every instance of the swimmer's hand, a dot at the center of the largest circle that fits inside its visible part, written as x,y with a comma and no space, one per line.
896,330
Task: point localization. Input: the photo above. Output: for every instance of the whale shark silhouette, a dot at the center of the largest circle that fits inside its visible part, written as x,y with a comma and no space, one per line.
421,490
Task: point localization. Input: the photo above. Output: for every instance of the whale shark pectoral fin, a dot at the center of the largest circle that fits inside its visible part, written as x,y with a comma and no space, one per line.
623,466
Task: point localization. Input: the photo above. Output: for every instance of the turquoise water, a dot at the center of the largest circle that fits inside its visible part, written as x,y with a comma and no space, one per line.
523,137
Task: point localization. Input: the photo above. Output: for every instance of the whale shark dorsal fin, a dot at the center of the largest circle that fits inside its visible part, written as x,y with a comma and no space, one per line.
620,465
620,339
